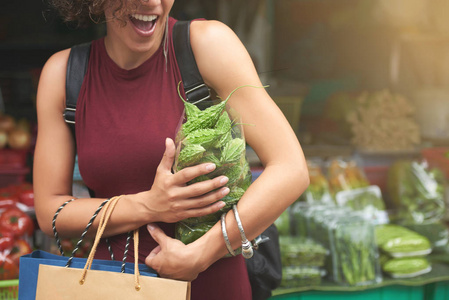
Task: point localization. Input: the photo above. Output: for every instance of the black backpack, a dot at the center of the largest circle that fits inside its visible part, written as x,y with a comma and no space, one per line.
264,268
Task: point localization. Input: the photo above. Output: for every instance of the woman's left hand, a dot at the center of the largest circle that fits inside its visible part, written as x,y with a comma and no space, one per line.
172,258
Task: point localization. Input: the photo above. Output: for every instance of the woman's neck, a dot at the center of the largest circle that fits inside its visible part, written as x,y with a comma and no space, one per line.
125,57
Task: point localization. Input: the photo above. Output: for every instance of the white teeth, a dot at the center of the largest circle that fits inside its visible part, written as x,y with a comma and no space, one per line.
146,18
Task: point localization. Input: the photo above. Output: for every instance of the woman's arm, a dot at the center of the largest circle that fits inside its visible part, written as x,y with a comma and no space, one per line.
225,64
168,200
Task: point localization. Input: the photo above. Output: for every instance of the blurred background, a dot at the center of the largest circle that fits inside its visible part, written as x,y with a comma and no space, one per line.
364,84
361,78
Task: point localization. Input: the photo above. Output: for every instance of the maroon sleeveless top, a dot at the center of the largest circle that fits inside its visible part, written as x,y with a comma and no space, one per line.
122,120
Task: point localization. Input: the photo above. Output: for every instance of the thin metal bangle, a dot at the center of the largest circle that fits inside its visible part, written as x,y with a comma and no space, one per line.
247,247
225,235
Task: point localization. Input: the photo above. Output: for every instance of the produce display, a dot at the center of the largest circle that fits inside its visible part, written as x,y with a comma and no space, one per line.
353,258
367,200
354,252
384,121
16,229
398,241
436,232
212,135
296,252
318,189
301,276
345,174
14,134
416,192
406,267
283,223
404,251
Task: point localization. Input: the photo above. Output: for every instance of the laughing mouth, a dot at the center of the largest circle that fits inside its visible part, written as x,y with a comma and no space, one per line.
144,23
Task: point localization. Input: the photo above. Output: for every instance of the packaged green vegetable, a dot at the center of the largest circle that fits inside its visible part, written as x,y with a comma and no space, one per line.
398,241
212,135
283,223
318,190
367,200
417,192
436,232
345,174
297,251
407,267
354,252
301,276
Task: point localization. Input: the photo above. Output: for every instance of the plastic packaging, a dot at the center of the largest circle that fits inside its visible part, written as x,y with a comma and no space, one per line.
212,135
302,252
398,241
417,192
355,257
318,190
436,232
367,200
301,276
406,267
345,174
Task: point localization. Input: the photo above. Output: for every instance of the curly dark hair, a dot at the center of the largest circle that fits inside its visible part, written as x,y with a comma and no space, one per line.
85,12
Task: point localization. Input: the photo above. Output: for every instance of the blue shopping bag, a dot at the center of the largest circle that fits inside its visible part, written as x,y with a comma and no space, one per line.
29,269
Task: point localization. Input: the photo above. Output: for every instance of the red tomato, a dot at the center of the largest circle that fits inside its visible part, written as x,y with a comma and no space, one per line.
20,247
7,203
25,194
6,239
27,197
17,222
9,195
8,269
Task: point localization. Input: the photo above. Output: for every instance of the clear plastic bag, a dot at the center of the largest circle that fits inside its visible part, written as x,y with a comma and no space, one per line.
398,241
318,190
417,192
212,135
345,174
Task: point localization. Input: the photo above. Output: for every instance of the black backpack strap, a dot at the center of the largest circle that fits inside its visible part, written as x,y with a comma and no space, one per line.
76,69
195,89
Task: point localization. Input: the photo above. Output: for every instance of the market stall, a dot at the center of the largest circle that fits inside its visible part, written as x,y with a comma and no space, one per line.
346,236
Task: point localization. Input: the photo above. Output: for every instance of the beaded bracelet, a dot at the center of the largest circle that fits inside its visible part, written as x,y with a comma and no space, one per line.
247,247
225,235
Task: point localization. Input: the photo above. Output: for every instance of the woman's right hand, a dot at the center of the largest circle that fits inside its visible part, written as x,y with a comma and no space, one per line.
171,199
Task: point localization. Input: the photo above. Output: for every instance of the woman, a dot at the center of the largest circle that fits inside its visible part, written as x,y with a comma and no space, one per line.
127,114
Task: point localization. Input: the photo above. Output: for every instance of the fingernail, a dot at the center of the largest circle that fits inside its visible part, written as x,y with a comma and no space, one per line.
150,227
221,204
210,167
225,191
224,179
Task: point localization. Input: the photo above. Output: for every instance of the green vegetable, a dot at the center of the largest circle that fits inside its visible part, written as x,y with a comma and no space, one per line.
191,154
232,150
406,267
399,241
189,233
416,191
300,276
205,137
211,135
283,223
301,251
191,110
355,257
208,118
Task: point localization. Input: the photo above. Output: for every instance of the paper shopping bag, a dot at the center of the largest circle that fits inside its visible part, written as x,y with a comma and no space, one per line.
95,281
64,283
29,269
